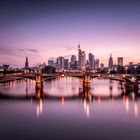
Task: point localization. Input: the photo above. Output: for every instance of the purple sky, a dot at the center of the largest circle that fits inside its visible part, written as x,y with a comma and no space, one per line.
44,29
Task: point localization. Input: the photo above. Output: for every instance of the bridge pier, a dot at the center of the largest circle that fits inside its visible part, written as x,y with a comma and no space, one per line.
39,86
86,93
86,86
86,82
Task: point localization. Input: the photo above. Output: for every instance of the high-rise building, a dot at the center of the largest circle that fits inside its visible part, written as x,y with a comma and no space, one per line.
110,62
50,62
73,59
120,61
91,61
102,66
66,64
60,62
26,63
97,63
81,58
73,63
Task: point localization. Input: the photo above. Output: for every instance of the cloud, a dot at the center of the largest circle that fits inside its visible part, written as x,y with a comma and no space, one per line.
28,50
16,56
5,50
32,50
22,50
68,48
10,51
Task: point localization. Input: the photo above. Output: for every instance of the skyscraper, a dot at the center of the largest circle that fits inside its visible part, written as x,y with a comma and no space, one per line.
66,64
120,61
50,62
81,58
73,64
97,63
102,66
91,61
26,63
60,62
73,59
110,62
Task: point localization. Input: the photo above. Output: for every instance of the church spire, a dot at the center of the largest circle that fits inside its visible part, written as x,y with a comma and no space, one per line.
110,63
26,63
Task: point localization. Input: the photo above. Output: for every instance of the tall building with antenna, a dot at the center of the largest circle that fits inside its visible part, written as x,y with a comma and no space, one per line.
81,58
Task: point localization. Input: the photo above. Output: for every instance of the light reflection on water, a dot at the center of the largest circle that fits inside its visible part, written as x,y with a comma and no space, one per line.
63,87
105,87
19,87
95,109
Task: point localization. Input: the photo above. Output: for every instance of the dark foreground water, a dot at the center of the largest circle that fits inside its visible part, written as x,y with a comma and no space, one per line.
105,114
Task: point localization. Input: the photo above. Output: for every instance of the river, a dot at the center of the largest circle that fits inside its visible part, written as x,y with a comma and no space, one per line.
68,112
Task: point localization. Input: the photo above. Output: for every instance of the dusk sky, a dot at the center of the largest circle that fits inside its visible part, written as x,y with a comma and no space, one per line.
51,28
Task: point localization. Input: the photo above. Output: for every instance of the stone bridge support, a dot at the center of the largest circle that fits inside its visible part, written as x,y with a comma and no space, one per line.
86,82
39,86
86,86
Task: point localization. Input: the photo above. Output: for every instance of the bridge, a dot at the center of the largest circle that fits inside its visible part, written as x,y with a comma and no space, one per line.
129,82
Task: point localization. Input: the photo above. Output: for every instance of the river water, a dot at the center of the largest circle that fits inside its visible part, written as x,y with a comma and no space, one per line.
65,111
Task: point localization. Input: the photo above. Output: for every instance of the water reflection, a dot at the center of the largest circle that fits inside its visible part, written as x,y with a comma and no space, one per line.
62,100
133,105
127,104
63,109
86,107
18,87
136,110
66,86
130,106
69,88
39,108
99,100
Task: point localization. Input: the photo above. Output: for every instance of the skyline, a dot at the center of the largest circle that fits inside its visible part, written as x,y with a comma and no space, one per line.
41,30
